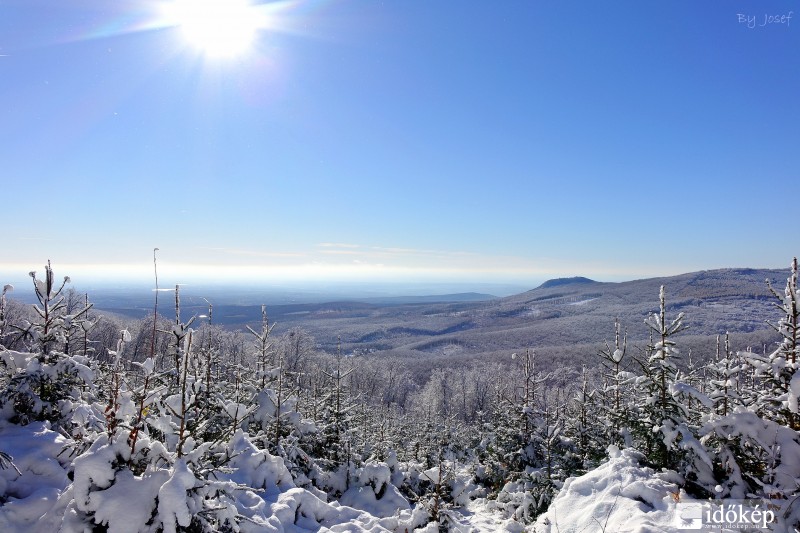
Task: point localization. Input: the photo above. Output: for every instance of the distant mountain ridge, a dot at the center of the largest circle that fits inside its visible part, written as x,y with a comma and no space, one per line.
431,298
557,282
561,313
561,316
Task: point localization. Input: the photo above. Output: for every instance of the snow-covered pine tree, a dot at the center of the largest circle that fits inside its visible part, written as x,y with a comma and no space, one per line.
3,317
544,460
509,422
276,420
50,330
158,446
659,412
724,379
752,435
265,352
332,444
43,384
667,429
615,397
547,449
584,429
777,372
77,322
275,390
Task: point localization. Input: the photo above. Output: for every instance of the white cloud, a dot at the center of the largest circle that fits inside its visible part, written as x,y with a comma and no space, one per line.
337,245
336,261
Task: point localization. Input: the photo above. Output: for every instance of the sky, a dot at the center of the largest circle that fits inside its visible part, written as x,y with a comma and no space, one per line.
396,140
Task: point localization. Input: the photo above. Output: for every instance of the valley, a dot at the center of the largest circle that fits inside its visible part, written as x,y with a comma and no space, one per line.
566,320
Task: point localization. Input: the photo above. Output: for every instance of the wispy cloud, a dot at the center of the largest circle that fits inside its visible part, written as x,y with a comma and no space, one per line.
417,251
337,245
373,254
334,260
340,252
33,238
253,253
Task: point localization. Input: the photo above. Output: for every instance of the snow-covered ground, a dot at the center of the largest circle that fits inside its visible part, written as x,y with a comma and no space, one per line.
40,496
619,496
34,487
583,302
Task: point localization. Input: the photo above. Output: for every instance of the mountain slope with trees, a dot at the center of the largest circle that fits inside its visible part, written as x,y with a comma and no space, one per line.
563,320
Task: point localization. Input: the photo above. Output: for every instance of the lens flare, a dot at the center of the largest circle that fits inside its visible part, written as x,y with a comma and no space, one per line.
220,28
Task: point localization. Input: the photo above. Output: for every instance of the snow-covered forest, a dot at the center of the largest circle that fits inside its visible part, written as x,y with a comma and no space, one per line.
172,423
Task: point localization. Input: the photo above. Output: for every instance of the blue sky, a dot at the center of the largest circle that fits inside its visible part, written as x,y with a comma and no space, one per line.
402,140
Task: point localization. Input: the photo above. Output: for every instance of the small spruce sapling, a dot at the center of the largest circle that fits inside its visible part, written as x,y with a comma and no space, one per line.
264,348
724,383
3,316
659,410
615,399
50,381
51,327
778,372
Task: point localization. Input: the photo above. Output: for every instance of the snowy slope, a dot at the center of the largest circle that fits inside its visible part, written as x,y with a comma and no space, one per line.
35,489
619,496
41,498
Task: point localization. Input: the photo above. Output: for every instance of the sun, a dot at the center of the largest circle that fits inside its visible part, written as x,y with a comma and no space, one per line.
220,28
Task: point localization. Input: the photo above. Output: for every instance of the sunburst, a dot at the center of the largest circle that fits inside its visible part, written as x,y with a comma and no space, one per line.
219,28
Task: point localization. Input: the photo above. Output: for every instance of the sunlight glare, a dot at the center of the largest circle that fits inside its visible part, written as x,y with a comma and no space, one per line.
220,28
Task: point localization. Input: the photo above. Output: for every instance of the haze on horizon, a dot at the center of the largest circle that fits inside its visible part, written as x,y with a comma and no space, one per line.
357,141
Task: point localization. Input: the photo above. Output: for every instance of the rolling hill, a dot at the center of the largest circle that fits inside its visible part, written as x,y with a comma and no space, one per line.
567,318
